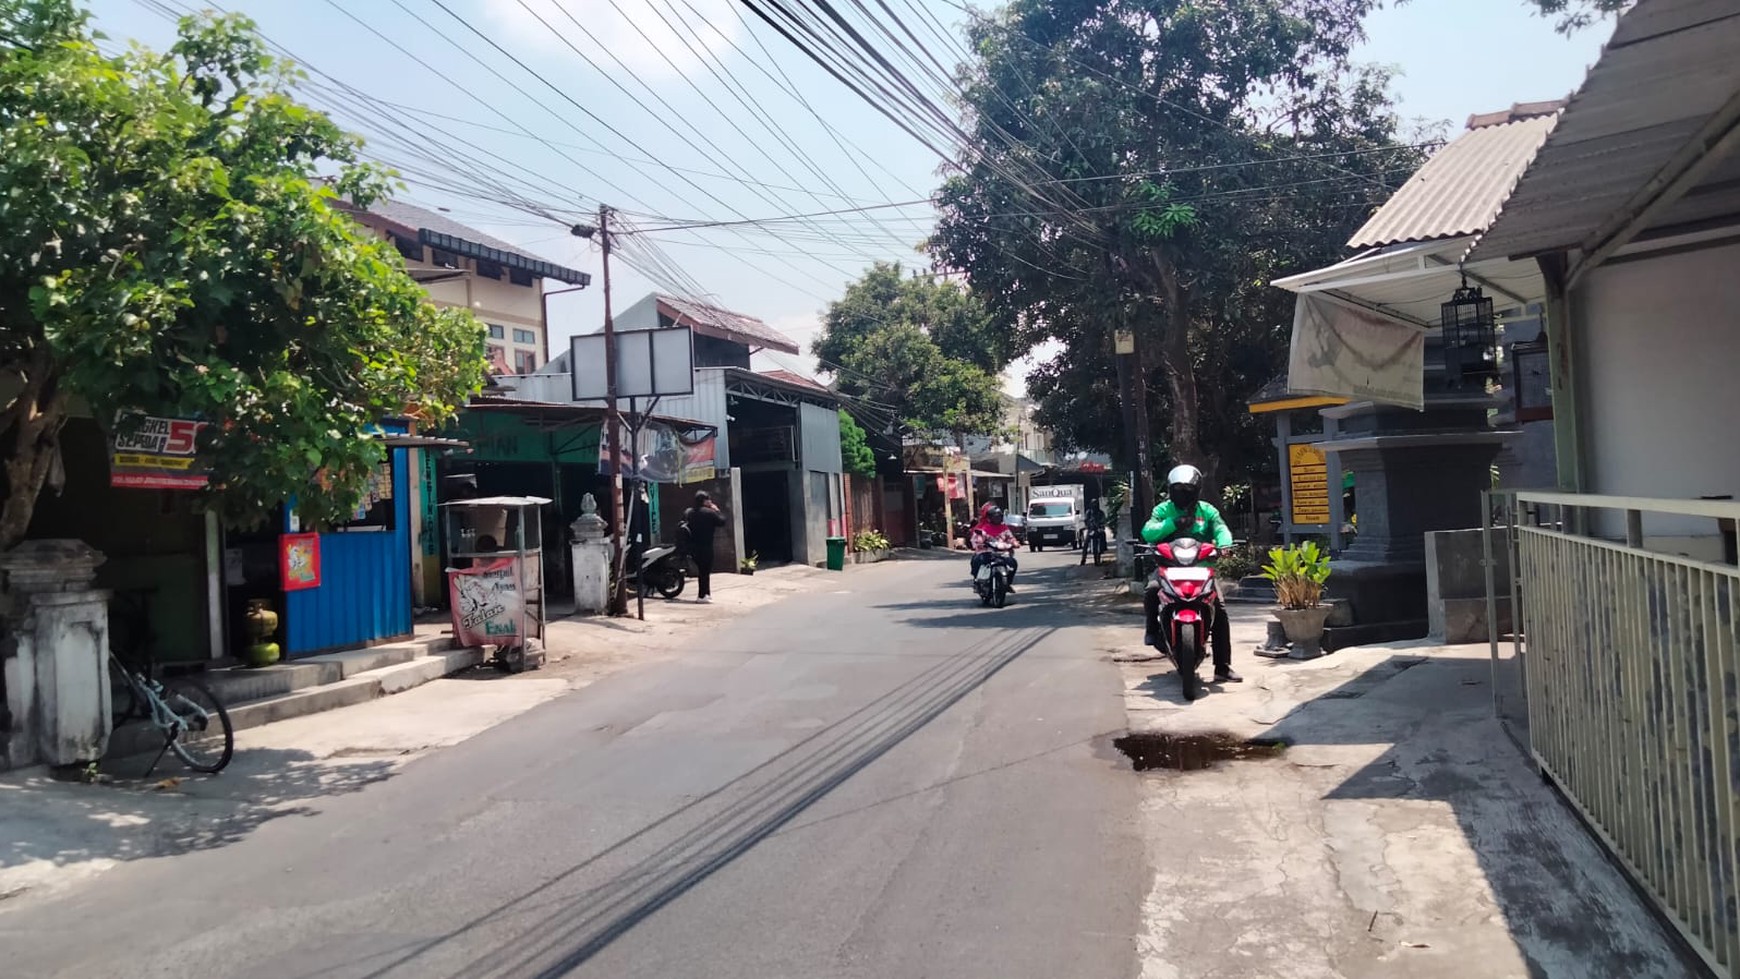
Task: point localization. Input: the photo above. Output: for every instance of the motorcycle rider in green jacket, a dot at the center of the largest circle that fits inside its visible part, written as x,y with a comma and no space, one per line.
1183,513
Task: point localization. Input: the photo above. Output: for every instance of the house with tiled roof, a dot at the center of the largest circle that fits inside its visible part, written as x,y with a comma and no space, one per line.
501,283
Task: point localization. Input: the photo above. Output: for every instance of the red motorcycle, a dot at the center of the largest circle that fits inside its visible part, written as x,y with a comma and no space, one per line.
1189,601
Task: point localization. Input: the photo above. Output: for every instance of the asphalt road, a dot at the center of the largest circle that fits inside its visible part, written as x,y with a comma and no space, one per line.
882,781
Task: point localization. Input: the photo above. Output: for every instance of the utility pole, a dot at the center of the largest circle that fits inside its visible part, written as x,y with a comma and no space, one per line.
613,429
1141,494
1133,391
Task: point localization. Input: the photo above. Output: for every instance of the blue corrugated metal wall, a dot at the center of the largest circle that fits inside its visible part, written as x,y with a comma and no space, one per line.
365,583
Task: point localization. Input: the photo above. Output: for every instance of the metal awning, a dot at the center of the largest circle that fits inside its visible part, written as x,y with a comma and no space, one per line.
500,501
1408,283
1643,145
422,442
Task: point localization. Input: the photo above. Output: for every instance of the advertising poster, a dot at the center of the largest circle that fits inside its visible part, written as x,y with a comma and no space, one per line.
299,561
487,605
156,453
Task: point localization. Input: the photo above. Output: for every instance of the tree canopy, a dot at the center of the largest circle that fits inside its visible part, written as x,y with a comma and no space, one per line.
1574,15
919,353
173,241
1152,165
856,456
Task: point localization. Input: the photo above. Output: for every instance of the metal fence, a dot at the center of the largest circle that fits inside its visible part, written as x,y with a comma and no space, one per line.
1629,661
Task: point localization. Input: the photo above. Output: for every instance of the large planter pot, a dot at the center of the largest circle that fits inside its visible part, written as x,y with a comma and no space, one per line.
1304,625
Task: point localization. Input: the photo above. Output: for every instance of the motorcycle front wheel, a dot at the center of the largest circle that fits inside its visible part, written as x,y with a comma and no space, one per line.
999,590
1186,655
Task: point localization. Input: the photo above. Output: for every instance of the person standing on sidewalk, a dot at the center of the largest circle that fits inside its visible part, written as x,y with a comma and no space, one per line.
702,520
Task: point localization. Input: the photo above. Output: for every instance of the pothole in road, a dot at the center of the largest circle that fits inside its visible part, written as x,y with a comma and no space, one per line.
1192,752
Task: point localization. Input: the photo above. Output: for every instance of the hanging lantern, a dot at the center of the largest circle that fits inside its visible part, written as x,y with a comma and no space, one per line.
1470,338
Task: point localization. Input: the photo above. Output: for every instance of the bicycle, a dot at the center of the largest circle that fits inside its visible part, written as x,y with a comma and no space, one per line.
191,720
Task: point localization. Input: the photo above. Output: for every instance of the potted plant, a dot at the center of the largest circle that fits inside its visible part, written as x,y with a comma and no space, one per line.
869,546
747,565
1299,571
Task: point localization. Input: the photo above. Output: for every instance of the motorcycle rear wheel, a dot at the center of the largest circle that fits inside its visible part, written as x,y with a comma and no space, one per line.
670,585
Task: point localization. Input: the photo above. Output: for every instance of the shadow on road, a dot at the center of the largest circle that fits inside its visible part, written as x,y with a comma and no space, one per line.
50,827
1045,595
555,927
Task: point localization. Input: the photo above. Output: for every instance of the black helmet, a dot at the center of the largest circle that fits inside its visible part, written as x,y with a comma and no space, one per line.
994,515
1184,487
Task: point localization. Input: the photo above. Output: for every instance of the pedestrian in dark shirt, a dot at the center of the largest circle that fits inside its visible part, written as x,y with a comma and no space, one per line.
703,519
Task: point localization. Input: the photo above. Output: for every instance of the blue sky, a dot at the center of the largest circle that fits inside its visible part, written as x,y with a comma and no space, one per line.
687,109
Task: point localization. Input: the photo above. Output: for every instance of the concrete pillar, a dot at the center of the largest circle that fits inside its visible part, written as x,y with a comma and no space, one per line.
57,665
590,562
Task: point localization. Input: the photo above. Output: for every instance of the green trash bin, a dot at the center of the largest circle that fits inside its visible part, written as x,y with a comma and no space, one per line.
836,554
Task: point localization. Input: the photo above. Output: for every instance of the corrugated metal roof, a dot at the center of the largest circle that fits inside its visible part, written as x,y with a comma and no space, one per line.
724,324
1670,65
1459,190
793,377
417,218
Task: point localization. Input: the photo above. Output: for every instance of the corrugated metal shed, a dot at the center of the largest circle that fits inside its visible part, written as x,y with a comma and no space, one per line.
1460,189
1671,65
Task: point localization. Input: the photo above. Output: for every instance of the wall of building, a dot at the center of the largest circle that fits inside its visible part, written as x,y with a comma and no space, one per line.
500,303
1659,340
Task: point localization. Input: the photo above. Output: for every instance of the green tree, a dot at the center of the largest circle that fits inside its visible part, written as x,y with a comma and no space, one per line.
1574,15
922,353
1151,165
856,456
168,245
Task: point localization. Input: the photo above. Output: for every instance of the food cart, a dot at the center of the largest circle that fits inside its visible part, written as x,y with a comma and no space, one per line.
495,577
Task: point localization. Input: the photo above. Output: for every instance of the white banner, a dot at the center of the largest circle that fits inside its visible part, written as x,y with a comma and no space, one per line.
1345,352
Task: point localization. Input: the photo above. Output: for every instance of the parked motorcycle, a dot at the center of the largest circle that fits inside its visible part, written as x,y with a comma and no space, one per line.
661,570
1188,605
992,581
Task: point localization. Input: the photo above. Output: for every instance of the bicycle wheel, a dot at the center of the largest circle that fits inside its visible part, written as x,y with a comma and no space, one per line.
209,741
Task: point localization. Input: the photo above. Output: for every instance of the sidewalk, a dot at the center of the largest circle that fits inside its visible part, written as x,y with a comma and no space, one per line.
55,834
1400,833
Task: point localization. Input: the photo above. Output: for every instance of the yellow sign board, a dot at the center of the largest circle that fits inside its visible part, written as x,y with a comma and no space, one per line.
1308,475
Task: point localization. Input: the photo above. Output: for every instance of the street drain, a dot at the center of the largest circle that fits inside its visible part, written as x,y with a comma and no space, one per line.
1192,752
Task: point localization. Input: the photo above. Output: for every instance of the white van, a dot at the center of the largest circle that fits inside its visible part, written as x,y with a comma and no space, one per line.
1054,516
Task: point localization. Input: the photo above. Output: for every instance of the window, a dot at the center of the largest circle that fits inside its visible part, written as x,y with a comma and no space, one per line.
525,361
488,269
407,247
525,336
1050,510
497,331
519,277
444,259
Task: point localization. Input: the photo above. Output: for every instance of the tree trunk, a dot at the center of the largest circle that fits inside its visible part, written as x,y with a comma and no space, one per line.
1186,438
33,420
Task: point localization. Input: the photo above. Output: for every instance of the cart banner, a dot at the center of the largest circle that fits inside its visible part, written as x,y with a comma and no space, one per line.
1344,352
488,608
150,452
